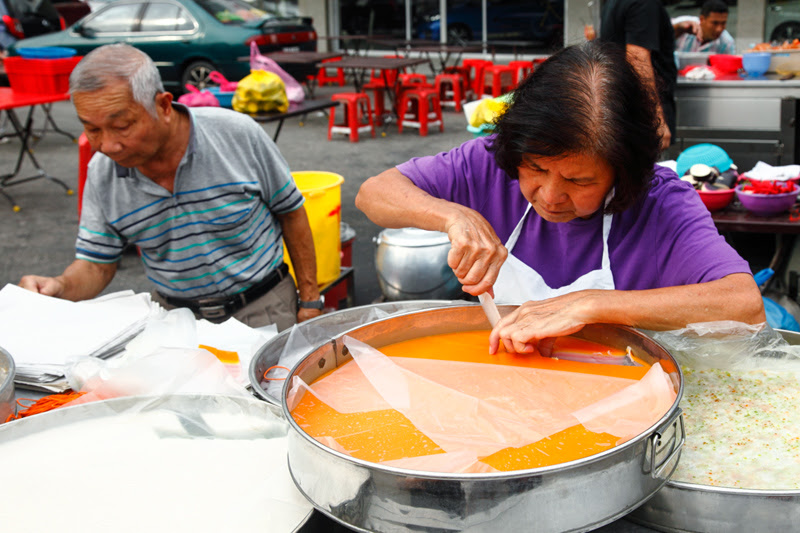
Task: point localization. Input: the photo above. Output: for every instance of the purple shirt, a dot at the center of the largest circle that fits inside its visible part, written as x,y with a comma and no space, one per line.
666,238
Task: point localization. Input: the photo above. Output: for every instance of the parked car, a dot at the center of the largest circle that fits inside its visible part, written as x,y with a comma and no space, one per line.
22,19
529,20
72,10
187,39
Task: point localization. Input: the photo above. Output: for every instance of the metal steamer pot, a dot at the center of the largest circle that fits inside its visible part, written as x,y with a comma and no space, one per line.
7,373
681,506
574,496
412,264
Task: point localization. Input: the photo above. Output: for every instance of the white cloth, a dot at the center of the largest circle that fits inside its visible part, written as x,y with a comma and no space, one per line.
518,283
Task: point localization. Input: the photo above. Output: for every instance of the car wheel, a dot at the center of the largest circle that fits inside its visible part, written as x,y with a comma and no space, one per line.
197,74
786,31
458,34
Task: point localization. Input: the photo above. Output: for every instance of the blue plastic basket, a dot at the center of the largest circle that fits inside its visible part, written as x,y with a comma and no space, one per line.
46,52
225,98
708,154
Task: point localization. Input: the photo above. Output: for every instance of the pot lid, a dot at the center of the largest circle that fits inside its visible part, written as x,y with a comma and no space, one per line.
412,237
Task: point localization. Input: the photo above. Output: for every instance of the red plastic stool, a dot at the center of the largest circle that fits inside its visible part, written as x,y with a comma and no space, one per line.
323,77
450,88
85,153
420,108
379,100
474,68
357,116
521,70
501,80
466,81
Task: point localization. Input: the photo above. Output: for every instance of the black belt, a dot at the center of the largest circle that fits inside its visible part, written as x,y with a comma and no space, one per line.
215,308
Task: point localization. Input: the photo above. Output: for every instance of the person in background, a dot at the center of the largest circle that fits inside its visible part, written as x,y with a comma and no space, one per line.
706,33
564,212
6,39
644,28
203,193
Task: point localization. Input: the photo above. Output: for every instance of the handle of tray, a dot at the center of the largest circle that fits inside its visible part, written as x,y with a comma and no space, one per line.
655,440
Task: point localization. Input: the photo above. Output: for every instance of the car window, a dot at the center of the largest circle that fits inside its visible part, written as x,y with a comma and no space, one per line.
165,17
232,11
116,18
44,8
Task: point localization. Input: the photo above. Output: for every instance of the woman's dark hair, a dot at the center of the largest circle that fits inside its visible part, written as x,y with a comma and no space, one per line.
586,99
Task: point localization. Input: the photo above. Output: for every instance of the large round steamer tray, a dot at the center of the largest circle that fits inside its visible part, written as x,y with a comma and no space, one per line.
576,496
326,326
681,506
7,373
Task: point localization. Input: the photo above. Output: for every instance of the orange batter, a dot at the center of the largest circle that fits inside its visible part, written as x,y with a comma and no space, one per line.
386,434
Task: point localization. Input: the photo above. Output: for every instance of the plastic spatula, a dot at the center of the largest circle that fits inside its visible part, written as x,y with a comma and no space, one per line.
489,307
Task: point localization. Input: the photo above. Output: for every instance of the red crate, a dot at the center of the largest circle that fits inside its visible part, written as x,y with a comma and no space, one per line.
40,76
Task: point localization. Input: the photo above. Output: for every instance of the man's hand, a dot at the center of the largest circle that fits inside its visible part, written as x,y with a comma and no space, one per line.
43,285
688,26
304,314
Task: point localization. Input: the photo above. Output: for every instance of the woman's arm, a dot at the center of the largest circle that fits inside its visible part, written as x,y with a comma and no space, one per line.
734,297
392,200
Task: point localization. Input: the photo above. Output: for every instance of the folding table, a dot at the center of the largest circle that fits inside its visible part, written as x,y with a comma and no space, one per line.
303,108
9,101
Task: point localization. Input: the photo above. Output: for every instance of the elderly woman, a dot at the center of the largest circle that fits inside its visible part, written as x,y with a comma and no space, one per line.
564,211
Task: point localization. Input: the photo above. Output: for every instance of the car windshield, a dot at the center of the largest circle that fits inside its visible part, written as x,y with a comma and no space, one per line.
232,11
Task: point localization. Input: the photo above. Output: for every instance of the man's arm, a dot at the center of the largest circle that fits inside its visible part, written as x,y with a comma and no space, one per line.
639,58
81,280
300,244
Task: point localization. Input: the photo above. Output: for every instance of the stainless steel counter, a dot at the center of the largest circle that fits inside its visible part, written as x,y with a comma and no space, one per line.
752,119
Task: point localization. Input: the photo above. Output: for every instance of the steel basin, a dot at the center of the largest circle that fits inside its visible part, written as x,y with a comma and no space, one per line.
7,373
575,496
330,324
681,506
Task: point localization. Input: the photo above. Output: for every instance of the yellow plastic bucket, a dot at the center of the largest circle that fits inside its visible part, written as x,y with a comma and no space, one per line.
323,194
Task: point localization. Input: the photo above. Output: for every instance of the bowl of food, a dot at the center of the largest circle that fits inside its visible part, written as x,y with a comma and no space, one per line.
767,198
716,199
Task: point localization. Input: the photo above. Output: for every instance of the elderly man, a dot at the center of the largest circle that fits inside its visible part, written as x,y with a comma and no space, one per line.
203,193
707,33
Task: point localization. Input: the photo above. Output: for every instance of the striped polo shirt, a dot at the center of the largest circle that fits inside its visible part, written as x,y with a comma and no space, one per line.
217,233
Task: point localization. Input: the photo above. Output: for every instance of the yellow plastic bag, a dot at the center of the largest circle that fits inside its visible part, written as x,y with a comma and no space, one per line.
260,92
487,111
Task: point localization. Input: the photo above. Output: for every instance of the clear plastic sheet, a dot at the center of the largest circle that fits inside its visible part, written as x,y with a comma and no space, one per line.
729,345
201,463
472,410
302,339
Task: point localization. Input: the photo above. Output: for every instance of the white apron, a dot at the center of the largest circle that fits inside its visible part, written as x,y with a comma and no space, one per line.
518,283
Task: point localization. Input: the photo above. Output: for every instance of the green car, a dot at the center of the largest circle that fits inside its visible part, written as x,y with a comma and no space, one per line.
187,39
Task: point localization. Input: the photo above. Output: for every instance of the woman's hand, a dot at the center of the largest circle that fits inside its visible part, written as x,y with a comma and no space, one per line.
476,252
532,326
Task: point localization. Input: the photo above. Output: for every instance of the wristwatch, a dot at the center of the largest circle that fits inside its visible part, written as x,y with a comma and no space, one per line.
313,304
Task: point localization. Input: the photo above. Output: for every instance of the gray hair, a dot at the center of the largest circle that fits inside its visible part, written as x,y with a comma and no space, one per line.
119,62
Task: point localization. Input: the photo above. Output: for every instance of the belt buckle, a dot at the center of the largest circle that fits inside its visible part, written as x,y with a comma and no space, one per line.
212,311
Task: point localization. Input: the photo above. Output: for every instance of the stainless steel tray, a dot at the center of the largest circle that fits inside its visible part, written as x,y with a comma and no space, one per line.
681,506
7,372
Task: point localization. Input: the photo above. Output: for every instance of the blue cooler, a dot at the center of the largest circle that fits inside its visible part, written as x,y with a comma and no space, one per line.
224,98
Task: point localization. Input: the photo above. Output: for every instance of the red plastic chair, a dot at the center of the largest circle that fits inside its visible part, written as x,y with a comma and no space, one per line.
500,80
421,108
324,78
85,154
357,115
450,88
